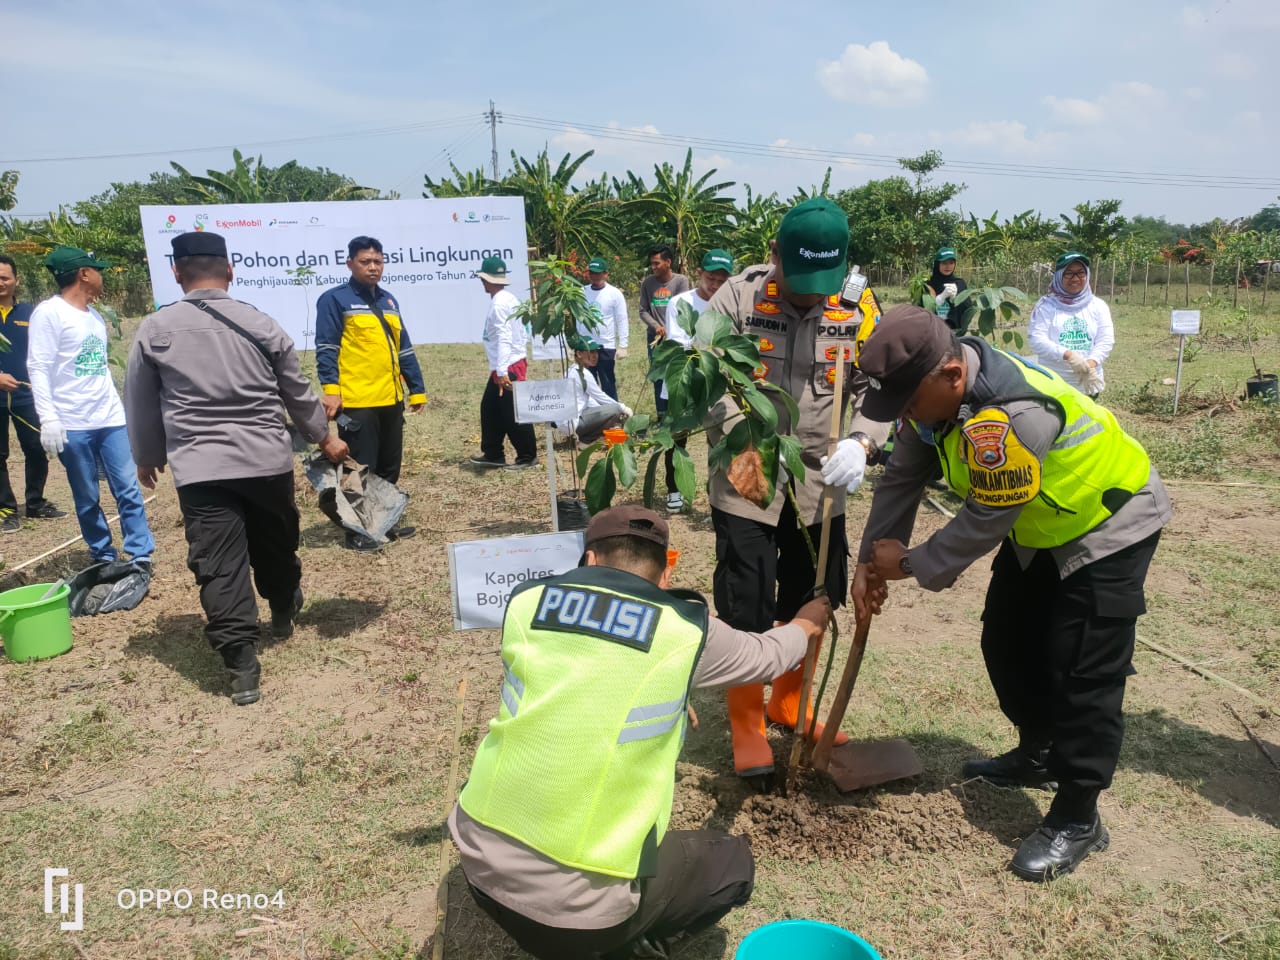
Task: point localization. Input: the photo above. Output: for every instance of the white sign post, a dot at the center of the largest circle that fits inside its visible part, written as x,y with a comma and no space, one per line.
546,401
484,572
1185,323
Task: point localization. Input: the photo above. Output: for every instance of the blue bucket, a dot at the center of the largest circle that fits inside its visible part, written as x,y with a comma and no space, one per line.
807,939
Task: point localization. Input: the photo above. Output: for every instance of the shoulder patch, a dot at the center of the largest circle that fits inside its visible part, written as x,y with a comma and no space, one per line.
771,289
1002,472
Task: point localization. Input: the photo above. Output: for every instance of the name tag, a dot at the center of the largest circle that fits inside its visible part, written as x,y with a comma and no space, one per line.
602,615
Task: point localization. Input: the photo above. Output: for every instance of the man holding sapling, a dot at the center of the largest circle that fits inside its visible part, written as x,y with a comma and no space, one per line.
763,567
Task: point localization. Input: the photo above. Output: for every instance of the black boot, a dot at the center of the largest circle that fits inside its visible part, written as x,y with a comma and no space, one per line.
1023,766
1054,851
283,615
242,665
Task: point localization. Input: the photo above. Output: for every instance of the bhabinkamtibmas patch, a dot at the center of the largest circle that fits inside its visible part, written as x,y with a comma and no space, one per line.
1002,472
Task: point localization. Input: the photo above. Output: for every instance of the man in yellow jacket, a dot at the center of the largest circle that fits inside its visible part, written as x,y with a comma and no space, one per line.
365,358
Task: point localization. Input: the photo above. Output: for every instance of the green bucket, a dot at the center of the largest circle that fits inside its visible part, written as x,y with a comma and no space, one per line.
33,628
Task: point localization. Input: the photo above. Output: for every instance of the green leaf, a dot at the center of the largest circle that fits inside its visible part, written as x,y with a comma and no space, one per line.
762,407
1017,339
712,326
651,479
768,448
1006,310
1006,337
584,456
737,439
792,453
788,401
637,423
601,485
624,461
685,480
719,459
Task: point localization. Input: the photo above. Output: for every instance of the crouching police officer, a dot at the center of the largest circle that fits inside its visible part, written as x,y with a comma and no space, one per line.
1076,509
562,826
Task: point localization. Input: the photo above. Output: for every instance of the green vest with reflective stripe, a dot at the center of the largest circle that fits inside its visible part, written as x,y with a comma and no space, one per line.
580,762
1091,470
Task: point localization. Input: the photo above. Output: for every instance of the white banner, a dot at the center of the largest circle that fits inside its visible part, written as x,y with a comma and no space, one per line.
432,247
1185,323
484,572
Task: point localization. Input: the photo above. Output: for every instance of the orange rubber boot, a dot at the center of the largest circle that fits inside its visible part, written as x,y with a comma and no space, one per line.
752,755
784,704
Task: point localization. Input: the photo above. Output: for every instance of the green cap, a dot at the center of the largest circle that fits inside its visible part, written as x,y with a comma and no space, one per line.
580,342
494,269
597,265
65,259
1068,257
717,259
944,253
813,247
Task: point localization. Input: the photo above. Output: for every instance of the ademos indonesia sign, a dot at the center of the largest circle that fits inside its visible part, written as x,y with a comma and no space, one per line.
433,249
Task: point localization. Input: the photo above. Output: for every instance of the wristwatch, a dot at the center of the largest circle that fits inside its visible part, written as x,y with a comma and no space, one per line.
905,565
870,446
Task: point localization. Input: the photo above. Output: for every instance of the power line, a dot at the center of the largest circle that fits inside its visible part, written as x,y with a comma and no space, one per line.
981,168
318,138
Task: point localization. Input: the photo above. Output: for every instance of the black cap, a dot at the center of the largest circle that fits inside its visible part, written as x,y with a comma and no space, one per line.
905,347
629,520
199,244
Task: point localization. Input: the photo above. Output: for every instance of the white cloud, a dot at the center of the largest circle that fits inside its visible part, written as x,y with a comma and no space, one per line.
874,75
1073,110
1008,137
780,142
863,139
631,150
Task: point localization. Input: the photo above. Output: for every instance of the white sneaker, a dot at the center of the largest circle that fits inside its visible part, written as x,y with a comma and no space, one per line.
675,502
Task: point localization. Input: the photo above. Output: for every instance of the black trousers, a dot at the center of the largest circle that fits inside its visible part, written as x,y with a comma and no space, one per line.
379,443
233,526
37,465
1058,652
498,422
764,573
669,461
604,370
702,875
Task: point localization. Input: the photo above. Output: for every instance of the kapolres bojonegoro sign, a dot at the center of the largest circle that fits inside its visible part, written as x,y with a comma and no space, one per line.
284,255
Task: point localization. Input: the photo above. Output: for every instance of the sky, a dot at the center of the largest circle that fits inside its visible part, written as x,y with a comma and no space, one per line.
1169,107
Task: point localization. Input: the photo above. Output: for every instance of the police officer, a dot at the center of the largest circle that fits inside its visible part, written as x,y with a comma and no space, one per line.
208,384
763,568
562,826
1076,509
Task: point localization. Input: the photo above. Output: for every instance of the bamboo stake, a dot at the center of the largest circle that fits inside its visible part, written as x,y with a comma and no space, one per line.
1235,294
1209,675
820,574
1146,274
442,896
1168,278
64,545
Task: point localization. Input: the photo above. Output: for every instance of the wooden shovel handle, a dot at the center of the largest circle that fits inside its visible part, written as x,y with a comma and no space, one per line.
822,752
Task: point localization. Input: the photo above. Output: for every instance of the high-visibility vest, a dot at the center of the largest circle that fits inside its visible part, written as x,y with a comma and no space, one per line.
1090,471
580,762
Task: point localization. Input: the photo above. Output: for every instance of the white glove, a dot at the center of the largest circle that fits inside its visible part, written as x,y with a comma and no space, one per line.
1079,364
627,412
1091,384
950,290
52,437
846,467
621,354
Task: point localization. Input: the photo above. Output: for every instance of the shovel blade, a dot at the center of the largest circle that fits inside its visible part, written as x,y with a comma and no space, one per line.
857,765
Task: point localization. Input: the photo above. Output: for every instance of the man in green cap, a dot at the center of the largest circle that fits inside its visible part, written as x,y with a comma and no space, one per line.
610,308
1073,507
504,343
596,410
763,569
82,421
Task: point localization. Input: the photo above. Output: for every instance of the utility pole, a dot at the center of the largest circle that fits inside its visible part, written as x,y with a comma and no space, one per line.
493,117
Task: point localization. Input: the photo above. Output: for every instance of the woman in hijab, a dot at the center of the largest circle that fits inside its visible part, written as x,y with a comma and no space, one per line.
945,286
1071,330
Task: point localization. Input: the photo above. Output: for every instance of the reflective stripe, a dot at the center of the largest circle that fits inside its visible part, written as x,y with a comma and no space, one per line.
1079,438
516,683
655,710
1081,421
509,698
646,731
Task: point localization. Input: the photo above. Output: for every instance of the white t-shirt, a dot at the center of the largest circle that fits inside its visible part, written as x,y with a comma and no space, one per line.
1055,329
504,335
674,330
67,361
611,305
